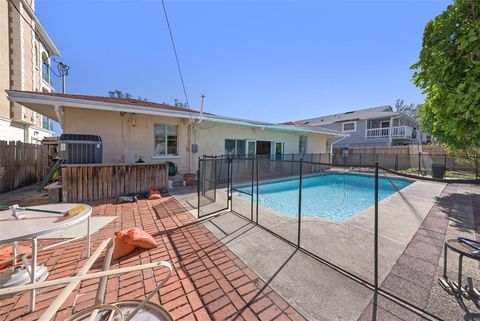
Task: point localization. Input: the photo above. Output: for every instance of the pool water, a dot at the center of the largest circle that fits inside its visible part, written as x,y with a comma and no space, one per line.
336,196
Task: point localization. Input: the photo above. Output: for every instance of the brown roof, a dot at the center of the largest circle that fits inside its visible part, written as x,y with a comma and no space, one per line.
112,100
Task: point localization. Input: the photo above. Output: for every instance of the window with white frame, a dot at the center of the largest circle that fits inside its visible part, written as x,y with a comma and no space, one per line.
349,126
302,144
165,140
235,147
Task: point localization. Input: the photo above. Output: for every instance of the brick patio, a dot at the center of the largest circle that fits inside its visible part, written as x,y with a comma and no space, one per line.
209,281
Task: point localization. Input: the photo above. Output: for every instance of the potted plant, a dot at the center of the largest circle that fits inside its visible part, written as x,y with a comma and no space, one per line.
189,179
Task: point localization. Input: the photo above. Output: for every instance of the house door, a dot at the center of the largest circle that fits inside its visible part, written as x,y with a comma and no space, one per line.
278,150
251,148
264,148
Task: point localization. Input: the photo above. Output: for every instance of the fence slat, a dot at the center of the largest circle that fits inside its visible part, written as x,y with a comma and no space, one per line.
21,164
82,183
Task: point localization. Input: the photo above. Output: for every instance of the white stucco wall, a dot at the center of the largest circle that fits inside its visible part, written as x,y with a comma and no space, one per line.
211,138
125,143
11,131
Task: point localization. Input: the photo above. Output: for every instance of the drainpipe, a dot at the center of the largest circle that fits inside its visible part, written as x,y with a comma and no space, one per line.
201,109
336,141
59,114
331,146
192,134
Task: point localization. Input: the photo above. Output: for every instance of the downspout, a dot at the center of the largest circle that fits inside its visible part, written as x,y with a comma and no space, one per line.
201,109
192,134
190,142
336,141
60,115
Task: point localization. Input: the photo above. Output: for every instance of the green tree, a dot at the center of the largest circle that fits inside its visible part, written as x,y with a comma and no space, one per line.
448,72
124,95
178,103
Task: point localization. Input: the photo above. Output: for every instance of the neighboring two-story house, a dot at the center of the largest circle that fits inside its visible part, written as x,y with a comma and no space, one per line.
378,126
25,64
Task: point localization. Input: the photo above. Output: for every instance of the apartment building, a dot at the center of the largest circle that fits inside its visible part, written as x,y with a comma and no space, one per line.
26,53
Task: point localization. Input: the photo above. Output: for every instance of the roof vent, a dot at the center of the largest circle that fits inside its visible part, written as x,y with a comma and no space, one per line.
349,112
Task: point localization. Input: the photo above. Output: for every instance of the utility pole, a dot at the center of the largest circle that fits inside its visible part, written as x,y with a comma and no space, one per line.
63,69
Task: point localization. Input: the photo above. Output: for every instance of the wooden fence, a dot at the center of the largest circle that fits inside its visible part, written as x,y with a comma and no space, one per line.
21,164
402,150
91,182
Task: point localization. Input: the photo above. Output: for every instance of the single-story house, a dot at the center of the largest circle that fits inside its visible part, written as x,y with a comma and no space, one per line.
131,129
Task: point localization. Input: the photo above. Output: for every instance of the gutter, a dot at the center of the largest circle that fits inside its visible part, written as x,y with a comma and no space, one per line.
85,104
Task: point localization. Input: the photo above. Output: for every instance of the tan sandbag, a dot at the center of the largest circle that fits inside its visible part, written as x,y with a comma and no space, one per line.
137,237
121,248
154,194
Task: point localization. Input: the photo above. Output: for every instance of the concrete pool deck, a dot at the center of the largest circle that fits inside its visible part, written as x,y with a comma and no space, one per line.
413,226
349,244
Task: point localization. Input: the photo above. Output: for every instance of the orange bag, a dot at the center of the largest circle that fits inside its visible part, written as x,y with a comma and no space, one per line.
121,248
154,194
7,252
137,237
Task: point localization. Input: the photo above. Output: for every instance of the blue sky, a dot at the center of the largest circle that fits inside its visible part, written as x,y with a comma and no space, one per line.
265,60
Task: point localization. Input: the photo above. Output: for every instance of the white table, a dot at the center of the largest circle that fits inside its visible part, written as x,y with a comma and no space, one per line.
35,224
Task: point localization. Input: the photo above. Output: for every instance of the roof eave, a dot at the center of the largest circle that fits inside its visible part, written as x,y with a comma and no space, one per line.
39,98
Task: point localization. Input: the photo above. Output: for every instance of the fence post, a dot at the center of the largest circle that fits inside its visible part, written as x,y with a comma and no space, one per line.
256,165
376,230
396,162
198,188
228,182
300,201
215,179
419,163
251,202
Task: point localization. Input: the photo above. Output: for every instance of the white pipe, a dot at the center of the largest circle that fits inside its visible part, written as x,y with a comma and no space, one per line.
201,108
337,141
59,114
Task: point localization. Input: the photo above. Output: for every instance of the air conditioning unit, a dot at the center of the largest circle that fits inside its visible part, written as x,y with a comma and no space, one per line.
80,149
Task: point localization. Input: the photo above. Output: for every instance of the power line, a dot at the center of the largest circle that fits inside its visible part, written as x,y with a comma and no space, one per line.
176,56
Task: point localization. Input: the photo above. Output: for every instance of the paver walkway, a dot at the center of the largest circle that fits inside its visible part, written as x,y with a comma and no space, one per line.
209,281
414,277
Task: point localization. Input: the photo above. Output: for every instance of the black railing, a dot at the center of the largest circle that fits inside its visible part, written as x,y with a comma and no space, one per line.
246,175
439,167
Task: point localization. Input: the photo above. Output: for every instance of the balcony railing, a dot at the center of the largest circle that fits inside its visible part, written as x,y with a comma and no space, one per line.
46,76
397,132
377,132
402,132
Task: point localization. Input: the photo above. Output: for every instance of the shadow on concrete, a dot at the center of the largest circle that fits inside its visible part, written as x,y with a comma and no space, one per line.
461,221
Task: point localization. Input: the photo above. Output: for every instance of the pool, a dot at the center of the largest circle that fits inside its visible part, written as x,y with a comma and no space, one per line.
336,196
